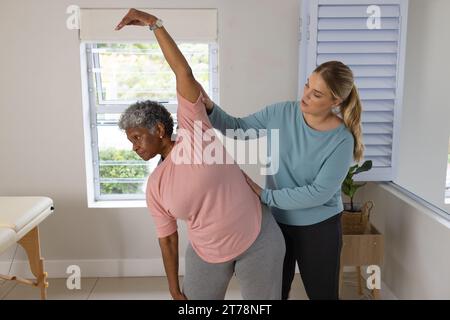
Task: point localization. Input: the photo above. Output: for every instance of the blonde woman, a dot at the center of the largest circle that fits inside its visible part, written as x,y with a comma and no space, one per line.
317,147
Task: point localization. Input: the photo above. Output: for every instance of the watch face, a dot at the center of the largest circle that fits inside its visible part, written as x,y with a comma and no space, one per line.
158,24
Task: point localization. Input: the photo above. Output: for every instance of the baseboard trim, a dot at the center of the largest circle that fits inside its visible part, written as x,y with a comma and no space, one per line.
93,268
101,268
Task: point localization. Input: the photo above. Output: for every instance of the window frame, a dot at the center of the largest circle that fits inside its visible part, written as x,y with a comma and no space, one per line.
89,61
447,179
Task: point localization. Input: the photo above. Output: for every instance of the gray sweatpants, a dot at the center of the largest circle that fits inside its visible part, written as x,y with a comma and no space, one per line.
259,269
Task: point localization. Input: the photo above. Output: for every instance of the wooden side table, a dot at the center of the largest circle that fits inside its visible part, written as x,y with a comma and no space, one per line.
361,250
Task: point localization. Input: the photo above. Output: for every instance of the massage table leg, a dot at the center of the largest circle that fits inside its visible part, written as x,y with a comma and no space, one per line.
30,242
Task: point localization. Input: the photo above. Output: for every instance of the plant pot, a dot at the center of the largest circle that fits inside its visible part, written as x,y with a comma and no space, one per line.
357,206
356,222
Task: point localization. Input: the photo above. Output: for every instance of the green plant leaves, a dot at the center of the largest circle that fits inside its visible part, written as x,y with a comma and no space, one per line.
137,170
346,188
366,166
349,187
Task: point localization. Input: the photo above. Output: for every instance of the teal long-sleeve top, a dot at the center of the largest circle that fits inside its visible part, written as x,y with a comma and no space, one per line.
306,189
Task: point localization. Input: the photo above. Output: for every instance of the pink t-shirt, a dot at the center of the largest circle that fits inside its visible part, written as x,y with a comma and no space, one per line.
222,213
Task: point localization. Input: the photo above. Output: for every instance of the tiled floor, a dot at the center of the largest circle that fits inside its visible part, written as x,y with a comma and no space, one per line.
154,288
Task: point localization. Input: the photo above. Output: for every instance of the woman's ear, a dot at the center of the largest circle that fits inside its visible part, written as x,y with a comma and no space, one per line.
160,131
337,101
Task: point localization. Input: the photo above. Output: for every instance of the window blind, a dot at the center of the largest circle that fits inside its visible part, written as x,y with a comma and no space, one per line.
185,25
339,30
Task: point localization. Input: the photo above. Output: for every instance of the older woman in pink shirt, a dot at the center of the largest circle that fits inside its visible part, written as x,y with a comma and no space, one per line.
229,231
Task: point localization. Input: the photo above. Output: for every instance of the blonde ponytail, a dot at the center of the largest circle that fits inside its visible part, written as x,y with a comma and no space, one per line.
351,111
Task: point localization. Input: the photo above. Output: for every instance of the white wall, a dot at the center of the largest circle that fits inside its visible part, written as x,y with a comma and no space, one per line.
425,132
417,259
41,133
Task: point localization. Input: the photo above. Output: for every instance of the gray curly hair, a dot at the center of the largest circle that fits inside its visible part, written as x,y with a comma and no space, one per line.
146,114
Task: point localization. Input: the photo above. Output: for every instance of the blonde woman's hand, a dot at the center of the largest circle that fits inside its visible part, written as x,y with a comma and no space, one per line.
136,18
253,185
209,104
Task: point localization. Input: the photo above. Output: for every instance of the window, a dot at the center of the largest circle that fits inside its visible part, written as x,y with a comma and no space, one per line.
119,68
119,74
339,30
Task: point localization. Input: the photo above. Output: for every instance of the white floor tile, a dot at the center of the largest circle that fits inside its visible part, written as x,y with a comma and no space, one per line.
131,288
57,290
297,289
154,288
234,291
6,287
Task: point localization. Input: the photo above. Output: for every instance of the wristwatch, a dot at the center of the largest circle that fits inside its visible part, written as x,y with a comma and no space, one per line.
158,24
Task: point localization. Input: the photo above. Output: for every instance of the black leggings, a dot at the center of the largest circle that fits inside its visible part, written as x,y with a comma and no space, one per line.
317,250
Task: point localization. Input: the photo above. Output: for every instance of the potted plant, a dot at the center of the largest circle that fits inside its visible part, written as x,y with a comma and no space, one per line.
356,216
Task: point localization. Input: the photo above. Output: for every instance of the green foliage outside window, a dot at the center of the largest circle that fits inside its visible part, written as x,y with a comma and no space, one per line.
139,169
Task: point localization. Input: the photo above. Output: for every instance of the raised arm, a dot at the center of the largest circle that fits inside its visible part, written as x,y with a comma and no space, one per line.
187,86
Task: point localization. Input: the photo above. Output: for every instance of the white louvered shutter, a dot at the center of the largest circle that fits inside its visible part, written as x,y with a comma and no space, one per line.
338,30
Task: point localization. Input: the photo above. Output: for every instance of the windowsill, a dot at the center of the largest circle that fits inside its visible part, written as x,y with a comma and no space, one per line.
118,204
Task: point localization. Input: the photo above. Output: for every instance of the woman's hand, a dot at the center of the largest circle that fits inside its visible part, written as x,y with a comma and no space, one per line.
255,187
136,18
179,296
209,104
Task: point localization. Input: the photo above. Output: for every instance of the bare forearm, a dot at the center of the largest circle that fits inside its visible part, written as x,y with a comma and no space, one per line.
187,86
172,53
169,250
